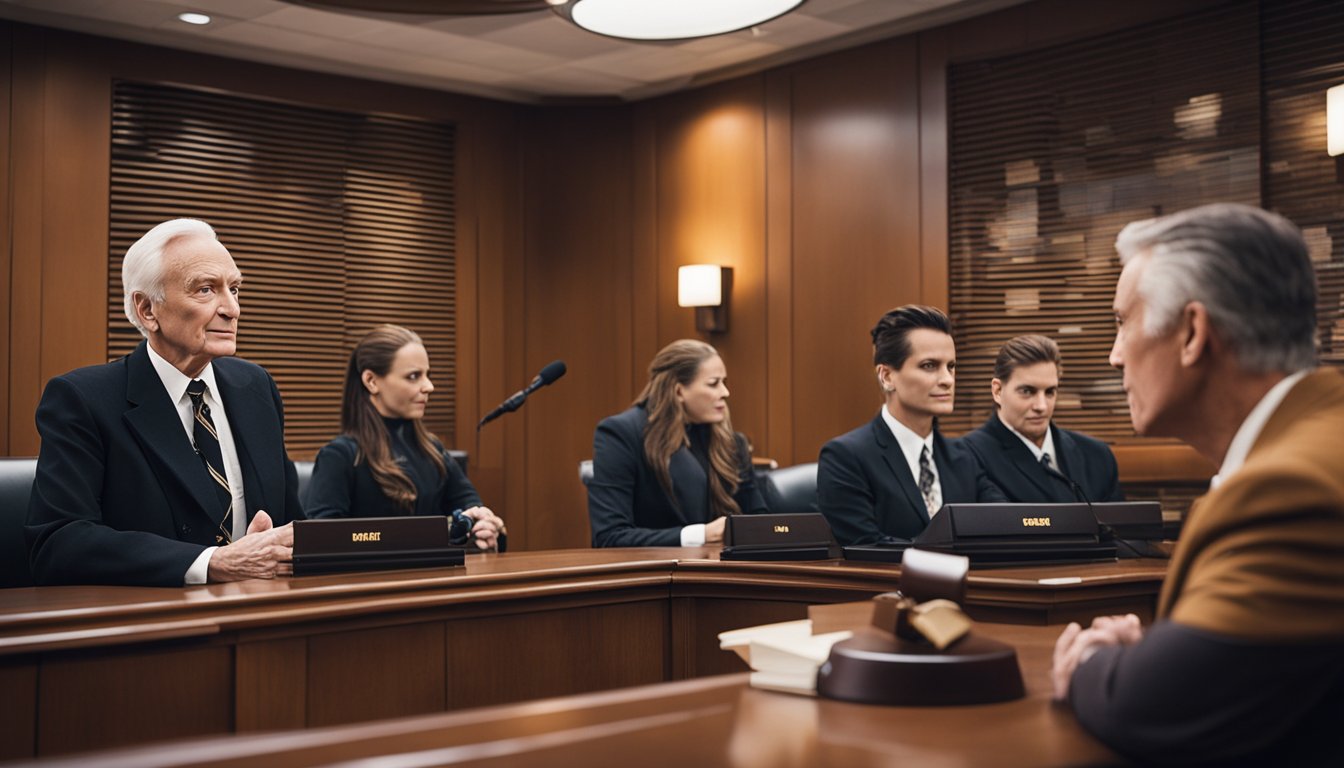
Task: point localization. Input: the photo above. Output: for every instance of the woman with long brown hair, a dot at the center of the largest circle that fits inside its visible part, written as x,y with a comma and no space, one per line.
669,469
385,463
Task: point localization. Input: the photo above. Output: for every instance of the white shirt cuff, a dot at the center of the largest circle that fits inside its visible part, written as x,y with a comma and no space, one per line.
693,535
199,572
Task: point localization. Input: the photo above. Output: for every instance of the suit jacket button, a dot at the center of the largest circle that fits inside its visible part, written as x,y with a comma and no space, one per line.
186,530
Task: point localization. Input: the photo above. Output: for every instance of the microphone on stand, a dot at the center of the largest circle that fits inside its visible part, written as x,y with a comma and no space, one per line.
553,370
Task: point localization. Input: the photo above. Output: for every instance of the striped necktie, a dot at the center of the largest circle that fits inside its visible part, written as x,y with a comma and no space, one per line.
207,447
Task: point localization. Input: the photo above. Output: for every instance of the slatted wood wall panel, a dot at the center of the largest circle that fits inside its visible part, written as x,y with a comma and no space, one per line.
1303,55
338,221
1052,152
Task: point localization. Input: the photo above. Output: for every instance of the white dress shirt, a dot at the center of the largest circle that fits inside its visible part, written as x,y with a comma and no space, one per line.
1046,446
912,445
1250,429
175,382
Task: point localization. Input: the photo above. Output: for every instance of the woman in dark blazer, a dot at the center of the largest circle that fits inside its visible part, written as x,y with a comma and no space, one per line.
669,469
880,483
386,463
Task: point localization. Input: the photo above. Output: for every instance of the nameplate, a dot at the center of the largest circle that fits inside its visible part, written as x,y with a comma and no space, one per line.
372,544
804,536
1016,534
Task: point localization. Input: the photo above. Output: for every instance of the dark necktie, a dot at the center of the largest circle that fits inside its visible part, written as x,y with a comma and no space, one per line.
1045,462
926,481
207,447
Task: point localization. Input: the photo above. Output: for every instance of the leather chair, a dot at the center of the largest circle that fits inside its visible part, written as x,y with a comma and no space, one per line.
16,485
791,490
305,472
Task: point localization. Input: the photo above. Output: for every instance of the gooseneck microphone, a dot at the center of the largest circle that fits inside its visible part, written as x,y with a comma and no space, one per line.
553,370
1120,544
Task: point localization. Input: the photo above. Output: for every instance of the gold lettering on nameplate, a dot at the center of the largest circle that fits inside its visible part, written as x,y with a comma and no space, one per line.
1036,522
781,529
366,536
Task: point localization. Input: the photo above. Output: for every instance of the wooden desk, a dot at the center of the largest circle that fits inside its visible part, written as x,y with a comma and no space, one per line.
92,667
716,721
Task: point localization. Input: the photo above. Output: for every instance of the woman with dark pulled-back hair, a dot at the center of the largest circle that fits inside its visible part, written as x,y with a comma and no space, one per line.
669,470
385,463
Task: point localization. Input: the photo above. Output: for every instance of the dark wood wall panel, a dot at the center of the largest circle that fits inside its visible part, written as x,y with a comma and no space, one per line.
710,192
856,228
123,701
577,305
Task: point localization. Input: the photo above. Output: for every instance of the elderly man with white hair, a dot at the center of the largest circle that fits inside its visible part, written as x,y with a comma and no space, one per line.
1216,335
166,467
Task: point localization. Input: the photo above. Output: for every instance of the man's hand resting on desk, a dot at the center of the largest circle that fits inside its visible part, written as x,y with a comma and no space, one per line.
1076,645
264,553
487,528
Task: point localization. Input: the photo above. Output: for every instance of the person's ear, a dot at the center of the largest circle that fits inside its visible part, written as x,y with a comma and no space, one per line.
144,311
370,382
679,392
996,389
1196,334
883,376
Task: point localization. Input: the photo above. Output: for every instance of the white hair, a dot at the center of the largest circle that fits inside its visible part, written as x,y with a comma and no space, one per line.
142,267
1248,267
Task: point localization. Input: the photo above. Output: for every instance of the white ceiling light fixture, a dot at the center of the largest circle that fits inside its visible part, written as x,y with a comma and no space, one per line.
199,19
654,20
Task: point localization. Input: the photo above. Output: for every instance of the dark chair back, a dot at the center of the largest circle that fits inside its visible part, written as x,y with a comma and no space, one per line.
305,472
791,490
16,485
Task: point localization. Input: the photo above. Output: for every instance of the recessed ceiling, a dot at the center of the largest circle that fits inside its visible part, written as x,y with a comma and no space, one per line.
534,56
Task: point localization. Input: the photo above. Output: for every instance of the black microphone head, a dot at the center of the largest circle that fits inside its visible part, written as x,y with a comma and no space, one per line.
553,370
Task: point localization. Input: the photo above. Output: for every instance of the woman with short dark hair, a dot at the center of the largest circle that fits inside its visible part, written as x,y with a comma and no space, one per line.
668,470
882,482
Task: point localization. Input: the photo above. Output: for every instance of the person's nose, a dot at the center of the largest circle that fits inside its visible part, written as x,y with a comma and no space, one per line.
229,306
1116,360
428,386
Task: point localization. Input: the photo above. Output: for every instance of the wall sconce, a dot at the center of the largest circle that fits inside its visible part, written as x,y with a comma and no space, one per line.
1334,120
706,287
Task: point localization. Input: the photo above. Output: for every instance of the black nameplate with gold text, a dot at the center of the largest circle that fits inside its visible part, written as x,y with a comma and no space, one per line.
373,544
1017,534
805,536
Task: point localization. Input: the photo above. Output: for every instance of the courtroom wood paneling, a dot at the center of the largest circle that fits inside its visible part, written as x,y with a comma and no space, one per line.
778,442
700,620
578,244
856,228
710,182
268,678
373,673
18,717
112,698
549,653
6,227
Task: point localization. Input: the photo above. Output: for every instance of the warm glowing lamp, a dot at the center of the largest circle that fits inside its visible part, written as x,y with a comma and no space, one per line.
1334,120
706,287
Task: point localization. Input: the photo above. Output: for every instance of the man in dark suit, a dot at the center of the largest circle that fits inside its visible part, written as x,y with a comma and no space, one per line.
168,466
1216,335
880,483
1021,448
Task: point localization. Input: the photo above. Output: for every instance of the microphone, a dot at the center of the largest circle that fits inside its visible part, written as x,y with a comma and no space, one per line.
1121,544
553,370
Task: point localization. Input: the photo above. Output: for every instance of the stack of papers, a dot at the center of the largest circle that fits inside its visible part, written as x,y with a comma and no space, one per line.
783,657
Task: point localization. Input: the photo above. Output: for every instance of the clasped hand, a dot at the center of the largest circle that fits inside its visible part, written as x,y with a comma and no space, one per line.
264,553
487,529
1076,645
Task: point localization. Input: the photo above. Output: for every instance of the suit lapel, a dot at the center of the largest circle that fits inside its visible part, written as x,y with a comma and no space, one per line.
242,407
155,422
1021,457
900,468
